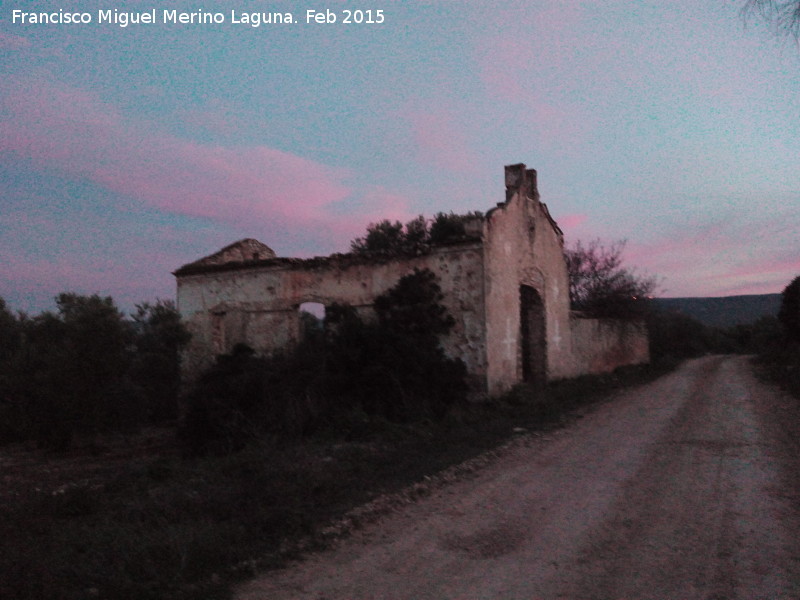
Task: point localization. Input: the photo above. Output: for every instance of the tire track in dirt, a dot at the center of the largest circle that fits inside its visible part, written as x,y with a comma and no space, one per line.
676,489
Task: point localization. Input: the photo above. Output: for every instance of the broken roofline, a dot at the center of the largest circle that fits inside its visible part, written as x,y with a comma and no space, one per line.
518,178
339,259
521,179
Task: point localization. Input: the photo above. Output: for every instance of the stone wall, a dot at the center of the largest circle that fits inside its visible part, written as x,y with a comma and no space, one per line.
258,304
602,345
508,292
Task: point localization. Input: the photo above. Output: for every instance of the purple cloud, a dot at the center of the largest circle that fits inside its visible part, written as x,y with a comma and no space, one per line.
76,133
727,255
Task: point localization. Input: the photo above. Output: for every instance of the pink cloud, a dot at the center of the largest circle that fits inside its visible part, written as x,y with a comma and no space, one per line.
73,256
571,222
45,278
77,133
742,253
297,205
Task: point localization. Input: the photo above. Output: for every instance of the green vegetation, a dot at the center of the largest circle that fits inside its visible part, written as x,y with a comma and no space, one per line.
393,369
675,336
272,451
775,341
139,523
779,354
416,237
86,369
789,313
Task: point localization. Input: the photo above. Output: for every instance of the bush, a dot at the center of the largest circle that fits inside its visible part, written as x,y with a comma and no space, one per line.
87,369
779,346
390,369
156,364
674,336
393,239
225,402
79,362
789,314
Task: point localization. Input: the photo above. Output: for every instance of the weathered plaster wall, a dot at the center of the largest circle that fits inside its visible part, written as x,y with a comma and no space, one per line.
243,293
523,246
602,345
258,304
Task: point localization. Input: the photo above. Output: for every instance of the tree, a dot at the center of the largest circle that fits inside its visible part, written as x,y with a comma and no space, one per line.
393,368
601,287
413,306
13,424
384,239
447,227
10,338
783,15
415,238
87,369
789,313
160,338
70,372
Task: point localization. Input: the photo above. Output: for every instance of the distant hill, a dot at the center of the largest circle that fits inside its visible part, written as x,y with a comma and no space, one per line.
725,311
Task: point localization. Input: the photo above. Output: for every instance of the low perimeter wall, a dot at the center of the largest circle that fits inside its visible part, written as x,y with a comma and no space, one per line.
602,345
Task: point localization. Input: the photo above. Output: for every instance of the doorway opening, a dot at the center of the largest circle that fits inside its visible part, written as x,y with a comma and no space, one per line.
532,335
312,319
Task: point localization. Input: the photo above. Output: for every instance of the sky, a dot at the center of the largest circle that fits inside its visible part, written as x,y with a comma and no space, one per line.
126,152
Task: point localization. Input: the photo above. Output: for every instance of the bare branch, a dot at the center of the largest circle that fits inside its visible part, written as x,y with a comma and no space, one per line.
783,16
600,286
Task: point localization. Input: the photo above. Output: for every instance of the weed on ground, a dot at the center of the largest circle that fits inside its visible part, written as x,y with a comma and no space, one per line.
133,518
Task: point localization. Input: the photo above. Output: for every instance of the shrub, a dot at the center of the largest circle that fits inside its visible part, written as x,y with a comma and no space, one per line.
78,361
674,336
159,338
225,402
779,348
789,314
416,237
449,227
390,369
413,306
87,369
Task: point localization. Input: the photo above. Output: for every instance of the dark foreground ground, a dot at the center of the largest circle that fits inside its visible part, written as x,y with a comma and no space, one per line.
130,517
686,487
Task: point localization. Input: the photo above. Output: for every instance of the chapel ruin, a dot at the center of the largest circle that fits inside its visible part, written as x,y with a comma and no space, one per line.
505,283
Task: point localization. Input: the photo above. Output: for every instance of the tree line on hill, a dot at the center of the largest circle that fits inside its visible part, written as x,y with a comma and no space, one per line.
86,369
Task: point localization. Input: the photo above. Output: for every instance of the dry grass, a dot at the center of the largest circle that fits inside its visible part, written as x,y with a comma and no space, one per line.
132,518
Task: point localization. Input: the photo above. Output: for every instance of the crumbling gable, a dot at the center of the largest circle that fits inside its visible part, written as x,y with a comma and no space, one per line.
241,252
505,284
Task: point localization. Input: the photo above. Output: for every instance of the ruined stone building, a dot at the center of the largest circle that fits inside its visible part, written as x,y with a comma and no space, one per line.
505,284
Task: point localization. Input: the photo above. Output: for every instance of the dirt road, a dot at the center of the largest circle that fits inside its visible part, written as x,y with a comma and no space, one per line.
684,488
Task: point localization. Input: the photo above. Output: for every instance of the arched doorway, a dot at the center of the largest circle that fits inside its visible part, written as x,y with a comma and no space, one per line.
532,336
